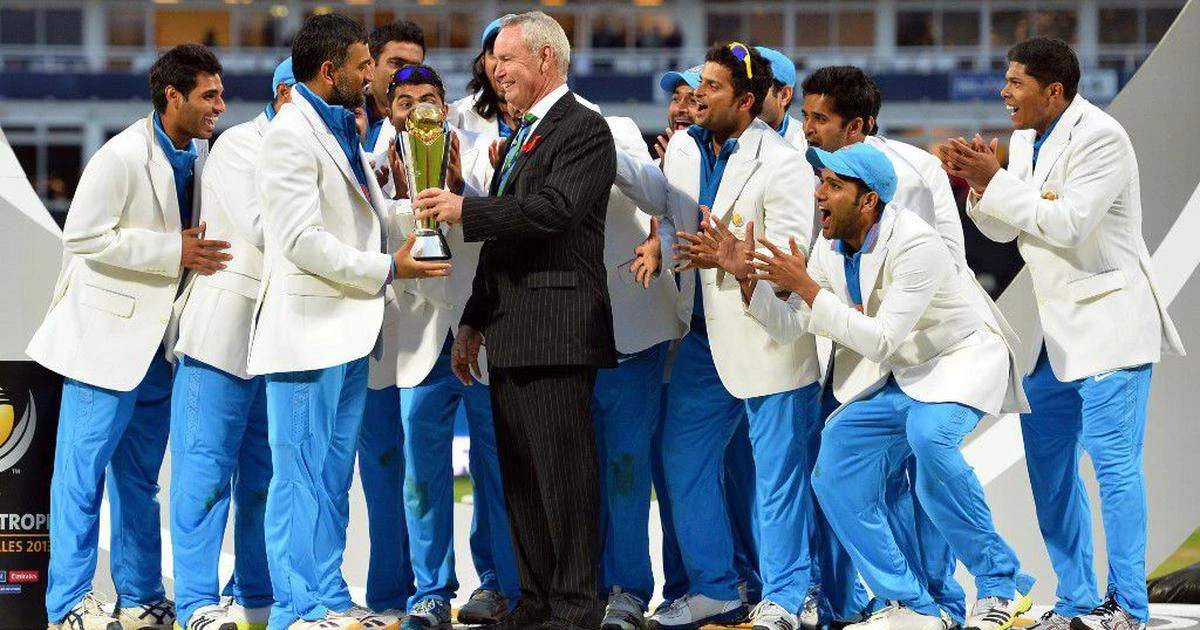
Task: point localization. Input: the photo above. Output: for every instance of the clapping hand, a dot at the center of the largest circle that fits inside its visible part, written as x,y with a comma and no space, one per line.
720,247
976,161
787,271
648,258
691,252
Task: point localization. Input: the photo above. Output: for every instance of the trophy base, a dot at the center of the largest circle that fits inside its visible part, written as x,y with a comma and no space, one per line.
430,245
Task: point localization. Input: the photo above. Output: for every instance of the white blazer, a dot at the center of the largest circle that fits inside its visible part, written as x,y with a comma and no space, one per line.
1077,218
922,187
216,311
795,135
765,181
925,321
112,305
642,317
322,294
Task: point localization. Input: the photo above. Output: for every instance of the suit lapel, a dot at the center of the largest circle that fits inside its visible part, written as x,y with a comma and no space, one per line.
1060,136
738,170
872,262
327,141
162,179
544,129
197,170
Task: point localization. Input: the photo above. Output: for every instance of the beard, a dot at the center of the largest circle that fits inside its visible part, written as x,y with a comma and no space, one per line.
346,93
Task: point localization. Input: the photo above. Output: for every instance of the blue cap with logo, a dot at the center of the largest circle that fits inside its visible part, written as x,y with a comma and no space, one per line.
490,31
861,161
782,67
671,80
283,74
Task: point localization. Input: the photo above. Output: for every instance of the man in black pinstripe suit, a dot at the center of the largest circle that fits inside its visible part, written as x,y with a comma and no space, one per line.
540,295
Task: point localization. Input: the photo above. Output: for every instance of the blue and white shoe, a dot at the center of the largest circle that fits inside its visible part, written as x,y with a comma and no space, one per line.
427,614
693,611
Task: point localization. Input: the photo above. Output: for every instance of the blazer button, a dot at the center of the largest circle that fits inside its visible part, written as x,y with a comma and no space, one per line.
171,286
162,321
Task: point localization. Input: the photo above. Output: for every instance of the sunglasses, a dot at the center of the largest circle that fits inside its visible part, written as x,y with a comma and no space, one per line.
408,72
742,54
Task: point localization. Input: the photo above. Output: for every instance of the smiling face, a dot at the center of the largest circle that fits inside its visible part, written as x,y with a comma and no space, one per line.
717,108
826,129
523,76
679,112
196,113
406,97
847,211
350,79
1030,104
395,55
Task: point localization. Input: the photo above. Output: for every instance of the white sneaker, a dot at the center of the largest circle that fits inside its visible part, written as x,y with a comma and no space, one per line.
214,617
997,613
768,615
247,618
624,611
157,616
372,620
897,617
332,621
810,615
91,613
692,611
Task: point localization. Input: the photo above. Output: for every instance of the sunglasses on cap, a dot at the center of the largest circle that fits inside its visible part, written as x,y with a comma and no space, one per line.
408,72
742,53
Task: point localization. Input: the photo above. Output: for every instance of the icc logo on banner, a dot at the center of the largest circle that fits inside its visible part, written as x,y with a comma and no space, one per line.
15,434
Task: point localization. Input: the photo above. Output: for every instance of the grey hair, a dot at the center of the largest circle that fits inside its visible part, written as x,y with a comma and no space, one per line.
539,29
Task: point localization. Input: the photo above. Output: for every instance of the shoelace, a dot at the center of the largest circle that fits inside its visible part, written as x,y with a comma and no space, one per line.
485,595
625,600
1108,608
1047,616
428,606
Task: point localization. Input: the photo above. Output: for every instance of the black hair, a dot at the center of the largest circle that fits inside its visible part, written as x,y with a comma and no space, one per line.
324,38
851,91
760,69
1049,61
179,68
398,31
487,105
418,74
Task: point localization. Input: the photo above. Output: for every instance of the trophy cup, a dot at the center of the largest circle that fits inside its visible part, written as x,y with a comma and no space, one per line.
425,149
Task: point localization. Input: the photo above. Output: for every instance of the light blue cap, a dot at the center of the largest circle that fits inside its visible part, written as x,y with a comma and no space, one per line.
283,74
782,67
670,80
862,161
489,32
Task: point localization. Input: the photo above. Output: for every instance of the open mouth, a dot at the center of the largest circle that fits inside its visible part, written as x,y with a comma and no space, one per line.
825,215
1012,109
701,108
681,123
210,123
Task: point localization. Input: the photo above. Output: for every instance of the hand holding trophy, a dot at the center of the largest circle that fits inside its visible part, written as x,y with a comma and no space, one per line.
425,146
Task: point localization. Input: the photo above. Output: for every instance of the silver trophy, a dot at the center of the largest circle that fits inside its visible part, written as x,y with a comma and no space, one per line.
425,149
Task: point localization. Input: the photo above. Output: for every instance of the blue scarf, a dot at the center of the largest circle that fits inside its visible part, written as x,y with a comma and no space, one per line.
183,163
340,122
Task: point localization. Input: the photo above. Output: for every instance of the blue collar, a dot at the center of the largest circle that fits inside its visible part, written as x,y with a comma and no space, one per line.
703,138
374,124
183,163
783,127
269,110
843,248
505,130
340,122
1040,140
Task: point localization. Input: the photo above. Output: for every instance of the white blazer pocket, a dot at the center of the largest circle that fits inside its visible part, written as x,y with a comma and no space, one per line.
102,299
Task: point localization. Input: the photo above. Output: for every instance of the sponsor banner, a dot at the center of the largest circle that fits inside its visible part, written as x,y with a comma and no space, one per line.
29,401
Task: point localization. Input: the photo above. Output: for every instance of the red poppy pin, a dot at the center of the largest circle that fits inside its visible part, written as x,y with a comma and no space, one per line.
530,144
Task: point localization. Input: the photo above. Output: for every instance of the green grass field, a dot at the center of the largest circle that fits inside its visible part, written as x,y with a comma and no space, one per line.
1187,554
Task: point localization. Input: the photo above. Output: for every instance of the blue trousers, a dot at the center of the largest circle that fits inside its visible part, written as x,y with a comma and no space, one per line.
427,412
625,406
381,469
868,442
121,436
702,418
313,423
219,450
738,488
1104,415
